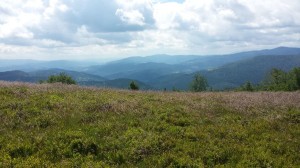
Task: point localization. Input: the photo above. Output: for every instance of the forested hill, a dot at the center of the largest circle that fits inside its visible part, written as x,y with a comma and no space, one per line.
232,75
161,71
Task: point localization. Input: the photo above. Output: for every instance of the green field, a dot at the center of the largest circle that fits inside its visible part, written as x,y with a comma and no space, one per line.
71,126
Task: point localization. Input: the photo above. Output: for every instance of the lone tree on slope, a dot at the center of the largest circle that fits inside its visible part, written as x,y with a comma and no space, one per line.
199,83
133,86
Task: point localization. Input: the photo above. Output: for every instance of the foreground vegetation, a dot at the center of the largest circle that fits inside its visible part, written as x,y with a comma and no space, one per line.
55,125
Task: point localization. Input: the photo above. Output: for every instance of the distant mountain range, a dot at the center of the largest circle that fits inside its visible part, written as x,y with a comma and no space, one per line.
233,74
34,65
36,76
159,71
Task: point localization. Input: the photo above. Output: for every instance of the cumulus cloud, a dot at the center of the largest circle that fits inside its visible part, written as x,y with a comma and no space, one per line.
116,28
133,17
230,23
16,20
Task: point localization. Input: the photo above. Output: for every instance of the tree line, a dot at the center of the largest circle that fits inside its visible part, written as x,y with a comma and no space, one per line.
276,80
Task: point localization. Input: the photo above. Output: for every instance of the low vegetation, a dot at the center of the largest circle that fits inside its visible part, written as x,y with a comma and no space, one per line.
56,125
60,78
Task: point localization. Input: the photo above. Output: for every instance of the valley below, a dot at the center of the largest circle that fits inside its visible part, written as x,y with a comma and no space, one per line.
160,72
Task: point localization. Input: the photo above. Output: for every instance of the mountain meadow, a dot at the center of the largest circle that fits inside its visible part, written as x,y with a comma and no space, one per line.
57,125
149,84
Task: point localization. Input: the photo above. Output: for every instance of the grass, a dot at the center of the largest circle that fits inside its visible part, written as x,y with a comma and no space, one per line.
70,126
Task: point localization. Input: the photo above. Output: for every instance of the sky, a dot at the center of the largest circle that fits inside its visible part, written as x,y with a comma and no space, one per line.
112,29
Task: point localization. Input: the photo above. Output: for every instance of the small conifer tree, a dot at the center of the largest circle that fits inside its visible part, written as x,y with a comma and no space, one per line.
133,86
248,87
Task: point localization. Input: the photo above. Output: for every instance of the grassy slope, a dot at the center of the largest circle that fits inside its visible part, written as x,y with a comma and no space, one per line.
64,126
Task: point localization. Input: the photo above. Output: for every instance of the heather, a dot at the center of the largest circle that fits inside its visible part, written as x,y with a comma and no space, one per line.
56,125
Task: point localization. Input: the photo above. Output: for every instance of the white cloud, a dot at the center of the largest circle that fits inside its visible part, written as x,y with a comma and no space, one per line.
131,17
53,7
91,28
135,12
17,19
236,22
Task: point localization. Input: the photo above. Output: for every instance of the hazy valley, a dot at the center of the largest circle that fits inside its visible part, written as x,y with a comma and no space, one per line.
159,72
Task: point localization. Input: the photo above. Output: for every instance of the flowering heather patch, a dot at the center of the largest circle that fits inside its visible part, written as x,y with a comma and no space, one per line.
56,125
247,102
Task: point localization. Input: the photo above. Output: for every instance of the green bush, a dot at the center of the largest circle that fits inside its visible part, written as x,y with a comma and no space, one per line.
133,86
61,78
78,146
246,87
21,151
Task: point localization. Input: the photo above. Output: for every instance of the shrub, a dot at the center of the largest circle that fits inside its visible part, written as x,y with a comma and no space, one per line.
62,78
246,87
133,86
22,151
78,146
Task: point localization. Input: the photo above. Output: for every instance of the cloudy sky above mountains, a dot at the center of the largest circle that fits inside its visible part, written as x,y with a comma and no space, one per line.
107,29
